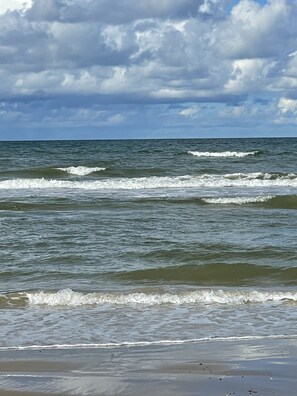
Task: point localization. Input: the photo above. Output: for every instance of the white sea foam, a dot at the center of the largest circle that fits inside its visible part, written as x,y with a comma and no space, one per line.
237,200
252,180
81,170
107,345
221,154
70,298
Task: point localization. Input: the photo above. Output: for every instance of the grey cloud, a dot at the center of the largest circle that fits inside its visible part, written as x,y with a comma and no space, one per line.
30,46
84,45
45,10
111,11
23,43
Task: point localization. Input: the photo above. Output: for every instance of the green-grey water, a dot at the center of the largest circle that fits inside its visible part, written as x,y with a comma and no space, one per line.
147,241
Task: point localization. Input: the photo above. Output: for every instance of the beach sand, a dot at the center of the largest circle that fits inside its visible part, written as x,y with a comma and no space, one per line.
217,368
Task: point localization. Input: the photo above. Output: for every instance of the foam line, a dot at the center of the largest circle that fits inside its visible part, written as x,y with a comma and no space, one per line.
149,343
68,297
257,179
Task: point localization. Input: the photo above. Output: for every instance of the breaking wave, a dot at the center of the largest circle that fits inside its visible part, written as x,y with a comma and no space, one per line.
256,179
222,154
81,170
70,298
237,200
269,201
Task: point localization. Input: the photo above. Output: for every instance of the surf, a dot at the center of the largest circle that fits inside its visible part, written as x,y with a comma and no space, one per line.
223,154
71,298
249,180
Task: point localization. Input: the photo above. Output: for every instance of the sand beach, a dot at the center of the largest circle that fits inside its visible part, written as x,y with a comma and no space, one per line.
246,367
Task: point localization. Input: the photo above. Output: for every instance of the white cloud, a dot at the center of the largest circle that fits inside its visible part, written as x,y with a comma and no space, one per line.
160,59
191,112
287,112
12,5
291,68
254,31
247,75
155,52
213,6
286,106
234,112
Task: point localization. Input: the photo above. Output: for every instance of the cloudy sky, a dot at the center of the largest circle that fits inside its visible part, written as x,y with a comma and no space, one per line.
147,68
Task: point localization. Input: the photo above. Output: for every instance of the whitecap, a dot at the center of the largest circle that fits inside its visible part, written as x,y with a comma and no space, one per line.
237,200
81,170
70,298
222,154
249,180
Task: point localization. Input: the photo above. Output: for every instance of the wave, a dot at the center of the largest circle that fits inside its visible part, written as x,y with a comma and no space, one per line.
107,345
51,172
70,298
277,201
81,170
238,200
269,201
257,179
222,154
210,274
282,202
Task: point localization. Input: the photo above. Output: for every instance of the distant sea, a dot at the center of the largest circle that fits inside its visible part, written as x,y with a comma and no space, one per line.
147,241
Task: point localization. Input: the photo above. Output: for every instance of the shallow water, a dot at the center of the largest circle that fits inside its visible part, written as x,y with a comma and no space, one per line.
145,241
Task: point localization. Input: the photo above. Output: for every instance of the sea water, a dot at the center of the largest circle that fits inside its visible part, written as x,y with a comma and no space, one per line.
146,242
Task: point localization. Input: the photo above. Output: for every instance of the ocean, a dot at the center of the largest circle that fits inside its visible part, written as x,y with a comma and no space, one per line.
145,242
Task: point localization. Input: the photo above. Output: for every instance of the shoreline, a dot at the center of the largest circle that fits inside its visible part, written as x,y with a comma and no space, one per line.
245,367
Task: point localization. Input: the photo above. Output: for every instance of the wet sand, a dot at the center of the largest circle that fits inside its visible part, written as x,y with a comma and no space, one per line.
216,368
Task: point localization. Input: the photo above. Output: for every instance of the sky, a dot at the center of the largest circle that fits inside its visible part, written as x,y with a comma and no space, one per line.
109,69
